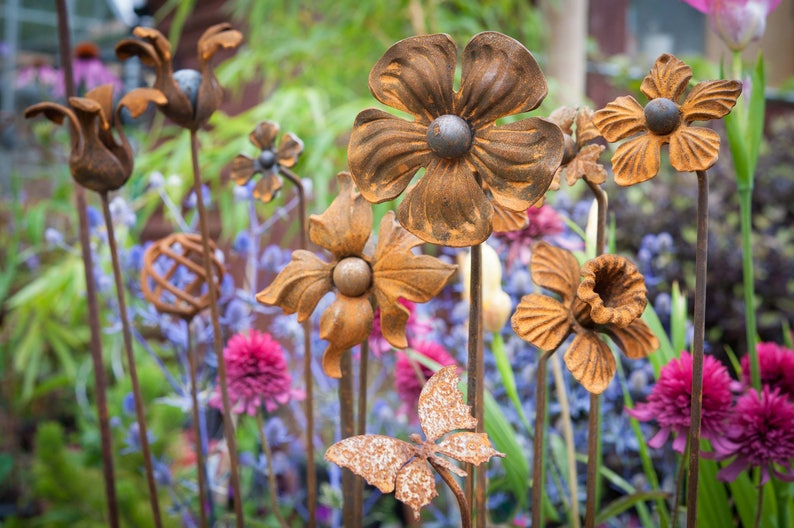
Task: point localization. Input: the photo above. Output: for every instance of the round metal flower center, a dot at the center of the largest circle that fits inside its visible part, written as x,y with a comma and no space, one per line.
352,276
662,116
189,82
449,136
267,159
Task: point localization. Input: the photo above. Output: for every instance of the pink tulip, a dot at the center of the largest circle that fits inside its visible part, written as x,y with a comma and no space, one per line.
737,22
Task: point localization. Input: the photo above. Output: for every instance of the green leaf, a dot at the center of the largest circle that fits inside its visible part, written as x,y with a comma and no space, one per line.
503,438
678,319
506,375
666,351
618,506
754,133
714,509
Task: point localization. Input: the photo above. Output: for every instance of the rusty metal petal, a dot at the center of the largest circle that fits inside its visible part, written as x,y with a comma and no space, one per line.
242,169
376,458
499,77
585,128
299,286
668,78
518,160
344,324
137,100
636,340
694,148
219,36
585,165
263,136
210,91
564,117
591,362
615,290
289,150
415,75
56,113
638,159
620,119
267,187
415,485
710,100
441,408
399,273
506,220
541,321
473,448
344,228
555,269
384,154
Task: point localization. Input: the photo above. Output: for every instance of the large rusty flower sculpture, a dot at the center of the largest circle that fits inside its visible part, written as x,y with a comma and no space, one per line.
269,161
580,159
609,299
453,135
391,273
390,464
192,96
99,161
665,121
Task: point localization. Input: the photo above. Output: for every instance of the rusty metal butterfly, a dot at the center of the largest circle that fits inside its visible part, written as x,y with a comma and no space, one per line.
391,464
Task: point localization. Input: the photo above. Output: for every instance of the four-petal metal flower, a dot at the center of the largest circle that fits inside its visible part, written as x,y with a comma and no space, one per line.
580,159
192,96
454,136
98,161
391,273
269,161
664,121
609,299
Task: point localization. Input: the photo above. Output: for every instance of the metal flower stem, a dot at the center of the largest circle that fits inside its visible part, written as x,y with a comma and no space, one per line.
228,425
475,486
361,424
538,441
593,419
701,257
351,515
308,378
449,480
271,474
140,415
95,342
201,466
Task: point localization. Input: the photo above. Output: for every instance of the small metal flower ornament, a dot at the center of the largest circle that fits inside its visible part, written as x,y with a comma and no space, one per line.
356,276
580,158
454,136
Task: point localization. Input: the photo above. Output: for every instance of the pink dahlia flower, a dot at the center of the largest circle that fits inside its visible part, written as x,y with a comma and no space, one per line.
760,434
410,375
669,402
777,368
543,222
257,374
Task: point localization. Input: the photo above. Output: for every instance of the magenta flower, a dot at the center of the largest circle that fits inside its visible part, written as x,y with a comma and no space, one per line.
737,22
414,328
257,374
760,434
542,222
89,71
669,402
777,368
410,375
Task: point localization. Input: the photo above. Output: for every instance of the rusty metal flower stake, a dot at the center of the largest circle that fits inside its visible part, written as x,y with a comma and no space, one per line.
101,162
692,149
192,97
394,465
271,162
180,255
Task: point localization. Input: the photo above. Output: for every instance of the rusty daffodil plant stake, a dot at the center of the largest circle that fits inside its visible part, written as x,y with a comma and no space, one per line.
192,96
103,163
665,120
181,255
358,278
394,465
605,296
454,136
271,162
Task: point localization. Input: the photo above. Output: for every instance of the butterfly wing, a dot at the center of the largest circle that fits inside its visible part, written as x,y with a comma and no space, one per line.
441,407
376,458
416,486
474,448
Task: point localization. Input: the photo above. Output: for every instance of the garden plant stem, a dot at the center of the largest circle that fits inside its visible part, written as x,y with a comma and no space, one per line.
701,257
538,441
136,389
351,512
679,480
475,492
759,506
567,433
361,424
748,282
201,466
308,379
95,343
449,480
271,475
212,290
593,419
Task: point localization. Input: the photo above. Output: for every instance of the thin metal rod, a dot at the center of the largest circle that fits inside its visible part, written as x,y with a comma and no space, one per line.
594,417
449,480
567,432
538,441
95,342
701,264
361,424
140,414
350,516
475,387
271,474
308,378
228,424
201,466
679,481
